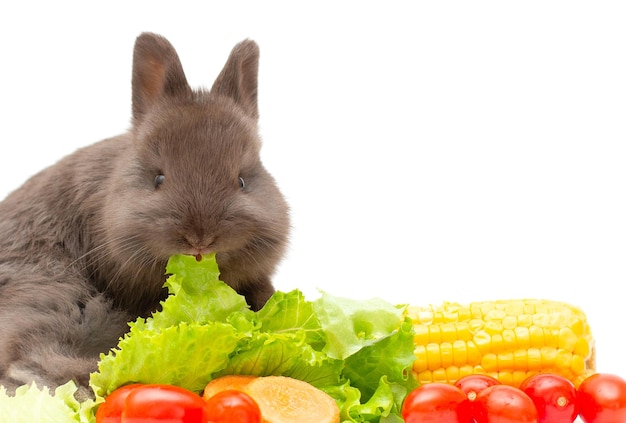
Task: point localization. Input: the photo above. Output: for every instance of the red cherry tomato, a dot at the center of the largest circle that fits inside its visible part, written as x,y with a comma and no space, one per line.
504,404
232,406
602,399
110,411
473,384
163,403
554,397
436,403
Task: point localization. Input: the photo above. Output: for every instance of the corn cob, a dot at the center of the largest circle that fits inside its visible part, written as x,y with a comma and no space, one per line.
507,339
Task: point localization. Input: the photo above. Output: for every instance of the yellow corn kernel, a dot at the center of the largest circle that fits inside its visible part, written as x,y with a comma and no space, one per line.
519,376
567,339
493,327
473,353
508,339
421,336
482,340
548,357
509,322
448,332
522,336
447,354
490,362
496,314
452,373
421,359
520,360
434,332
505,361
450,316
578,364
504,377
464,314
425,376
551,335
536,336
440,375
524,320
463,331
582,348
534,359
475,324
563,359
434,356
498,343
459,352
465,370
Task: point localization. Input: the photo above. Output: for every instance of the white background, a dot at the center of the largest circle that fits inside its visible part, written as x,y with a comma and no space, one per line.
430,151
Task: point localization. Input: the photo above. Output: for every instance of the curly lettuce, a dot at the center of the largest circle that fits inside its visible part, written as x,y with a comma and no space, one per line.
359,352
32,404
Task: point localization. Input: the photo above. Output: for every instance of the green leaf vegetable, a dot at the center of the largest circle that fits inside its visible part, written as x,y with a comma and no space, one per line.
38,405
359,352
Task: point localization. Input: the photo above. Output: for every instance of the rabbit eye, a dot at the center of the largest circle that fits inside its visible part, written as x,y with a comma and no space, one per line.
158,180
242,183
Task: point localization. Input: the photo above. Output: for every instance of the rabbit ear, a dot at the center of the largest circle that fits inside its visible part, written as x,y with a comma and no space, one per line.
239,78
157,72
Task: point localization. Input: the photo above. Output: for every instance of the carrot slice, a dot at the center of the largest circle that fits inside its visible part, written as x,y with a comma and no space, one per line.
223,383
287,400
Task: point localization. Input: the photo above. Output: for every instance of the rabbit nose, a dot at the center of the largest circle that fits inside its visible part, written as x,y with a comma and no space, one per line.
201,244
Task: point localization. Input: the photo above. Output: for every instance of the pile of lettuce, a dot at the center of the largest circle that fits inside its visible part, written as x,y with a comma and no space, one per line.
359,352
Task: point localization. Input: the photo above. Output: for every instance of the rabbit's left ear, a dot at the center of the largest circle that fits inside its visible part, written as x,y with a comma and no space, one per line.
239,77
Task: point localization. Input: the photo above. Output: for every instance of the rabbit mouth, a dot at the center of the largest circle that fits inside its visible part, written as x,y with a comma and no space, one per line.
201,246
198,248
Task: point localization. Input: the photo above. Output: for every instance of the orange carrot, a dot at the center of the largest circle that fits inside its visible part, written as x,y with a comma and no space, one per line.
287,400
281,399
237,382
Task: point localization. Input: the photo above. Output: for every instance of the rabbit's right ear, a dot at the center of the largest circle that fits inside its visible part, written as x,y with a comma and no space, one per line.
157,73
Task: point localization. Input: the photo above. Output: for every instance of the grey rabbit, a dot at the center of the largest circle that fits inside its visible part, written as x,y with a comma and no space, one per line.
84,243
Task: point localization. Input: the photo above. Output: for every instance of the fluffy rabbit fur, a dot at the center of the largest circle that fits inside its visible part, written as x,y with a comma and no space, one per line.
83,244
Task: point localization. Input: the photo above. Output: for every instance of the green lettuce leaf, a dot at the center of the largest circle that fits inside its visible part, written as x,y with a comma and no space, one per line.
382,407
199,326
286,355
196,294
350,325
290,312
359,352
392,357
31,404
184,355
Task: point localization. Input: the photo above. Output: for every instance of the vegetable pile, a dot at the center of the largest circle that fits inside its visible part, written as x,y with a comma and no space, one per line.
207,357
206,330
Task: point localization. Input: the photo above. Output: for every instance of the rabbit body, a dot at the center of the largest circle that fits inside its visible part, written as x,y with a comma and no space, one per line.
84,243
